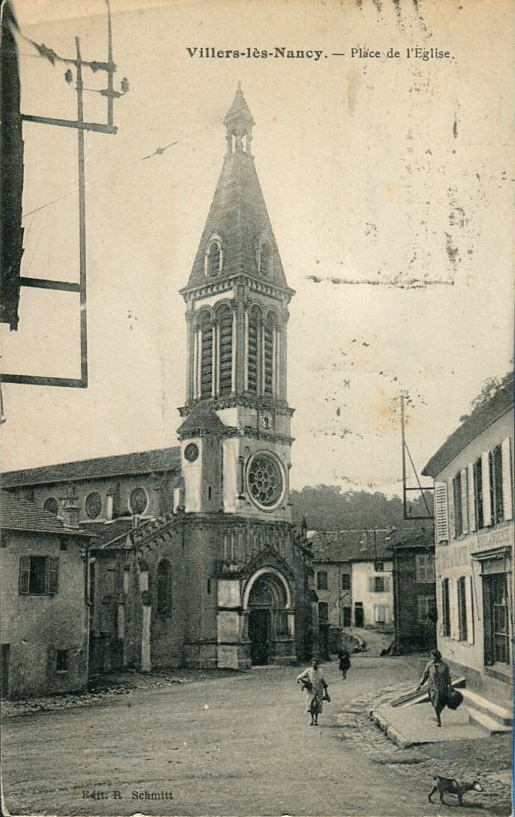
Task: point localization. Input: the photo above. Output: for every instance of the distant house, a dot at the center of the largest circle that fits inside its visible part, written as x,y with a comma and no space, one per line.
353,580
474,497
414,593
45,617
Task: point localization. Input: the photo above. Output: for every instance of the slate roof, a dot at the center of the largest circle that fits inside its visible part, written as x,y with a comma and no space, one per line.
350,546
479,420
413,538
20,514
141,462
238,214
201,419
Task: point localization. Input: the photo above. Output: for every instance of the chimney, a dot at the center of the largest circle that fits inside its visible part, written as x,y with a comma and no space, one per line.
70,506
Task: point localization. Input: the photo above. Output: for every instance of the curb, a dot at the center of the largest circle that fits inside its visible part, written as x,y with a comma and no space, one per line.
390,731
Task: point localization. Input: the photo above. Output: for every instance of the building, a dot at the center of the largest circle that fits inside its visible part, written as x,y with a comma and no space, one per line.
353,581
197,562
45,616
473,473
414,593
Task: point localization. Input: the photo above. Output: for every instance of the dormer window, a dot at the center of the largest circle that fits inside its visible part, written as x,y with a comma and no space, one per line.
263,256
214,258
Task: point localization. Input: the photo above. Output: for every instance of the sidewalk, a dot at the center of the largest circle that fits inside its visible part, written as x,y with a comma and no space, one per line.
415,724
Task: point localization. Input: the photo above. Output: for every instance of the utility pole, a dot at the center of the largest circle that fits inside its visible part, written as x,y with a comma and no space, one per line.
405,488
81,126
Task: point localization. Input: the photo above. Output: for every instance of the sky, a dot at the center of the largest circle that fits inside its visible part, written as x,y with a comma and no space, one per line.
388,181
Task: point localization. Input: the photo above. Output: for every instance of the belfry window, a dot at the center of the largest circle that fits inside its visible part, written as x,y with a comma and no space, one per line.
226,353
214,259
206,367
253,349
269,333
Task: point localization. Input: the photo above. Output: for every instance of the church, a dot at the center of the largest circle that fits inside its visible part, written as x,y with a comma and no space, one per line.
195,561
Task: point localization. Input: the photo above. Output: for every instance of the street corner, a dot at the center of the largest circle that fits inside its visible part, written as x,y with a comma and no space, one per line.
414,725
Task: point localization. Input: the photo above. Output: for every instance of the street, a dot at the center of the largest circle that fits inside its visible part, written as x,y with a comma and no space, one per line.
227,746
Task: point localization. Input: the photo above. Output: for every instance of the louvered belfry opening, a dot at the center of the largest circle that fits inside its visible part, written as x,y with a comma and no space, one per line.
253,349
206,368
269,347
226,350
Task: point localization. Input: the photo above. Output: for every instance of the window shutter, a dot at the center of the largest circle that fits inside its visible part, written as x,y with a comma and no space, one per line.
450,499
472,504
464,501
371,584
386,584
53,576
24,575
487,499
469,596
507,481
453,609
442,519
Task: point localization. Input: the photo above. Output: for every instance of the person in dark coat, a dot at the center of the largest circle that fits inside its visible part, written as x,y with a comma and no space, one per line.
438,676
344,662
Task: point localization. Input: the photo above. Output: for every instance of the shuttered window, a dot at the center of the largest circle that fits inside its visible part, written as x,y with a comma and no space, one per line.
441,513
471,498
458,518
478,494
507,479
446,609
486,482
269,356
496,487
39,575
226,351
206,367
464,501
253,354
462,608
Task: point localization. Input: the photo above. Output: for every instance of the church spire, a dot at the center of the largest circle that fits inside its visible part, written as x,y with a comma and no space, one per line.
239,122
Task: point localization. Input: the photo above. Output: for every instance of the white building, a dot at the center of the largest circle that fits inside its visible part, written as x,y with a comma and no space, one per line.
473,473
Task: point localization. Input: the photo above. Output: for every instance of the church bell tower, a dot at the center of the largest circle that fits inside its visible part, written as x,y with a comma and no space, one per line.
235,437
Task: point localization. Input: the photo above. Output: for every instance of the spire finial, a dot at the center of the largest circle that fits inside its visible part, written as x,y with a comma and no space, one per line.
239,123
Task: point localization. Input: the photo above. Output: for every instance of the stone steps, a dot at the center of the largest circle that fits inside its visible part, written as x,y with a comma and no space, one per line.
485,714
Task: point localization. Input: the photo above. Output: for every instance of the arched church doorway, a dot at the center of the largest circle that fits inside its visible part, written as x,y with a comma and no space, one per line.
267,617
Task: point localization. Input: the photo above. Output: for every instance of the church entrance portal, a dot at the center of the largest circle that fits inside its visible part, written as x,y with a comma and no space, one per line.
267,618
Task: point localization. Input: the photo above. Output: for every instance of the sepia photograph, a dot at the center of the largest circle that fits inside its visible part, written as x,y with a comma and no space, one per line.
257,407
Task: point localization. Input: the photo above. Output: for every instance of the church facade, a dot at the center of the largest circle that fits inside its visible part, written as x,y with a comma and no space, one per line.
196,561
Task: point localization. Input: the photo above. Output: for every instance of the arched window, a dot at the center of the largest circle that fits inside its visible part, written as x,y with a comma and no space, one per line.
225,326
269,347
206,365
264,259
164,590
214,258
51,505
253,349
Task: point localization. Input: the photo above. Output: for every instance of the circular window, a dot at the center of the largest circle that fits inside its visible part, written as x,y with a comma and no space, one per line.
51,505
93,505
265,480
138,500
191,452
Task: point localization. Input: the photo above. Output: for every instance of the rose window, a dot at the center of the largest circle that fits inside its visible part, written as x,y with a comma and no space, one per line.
265,481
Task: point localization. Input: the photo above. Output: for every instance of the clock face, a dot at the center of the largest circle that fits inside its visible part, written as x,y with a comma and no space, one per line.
266,420
191,452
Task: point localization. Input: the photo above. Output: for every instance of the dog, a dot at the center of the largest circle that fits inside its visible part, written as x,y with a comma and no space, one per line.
448,785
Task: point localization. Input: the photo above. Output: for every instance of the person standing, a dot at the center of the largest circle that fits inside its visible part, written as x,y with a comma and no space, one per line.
344,662
438,676
314,683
